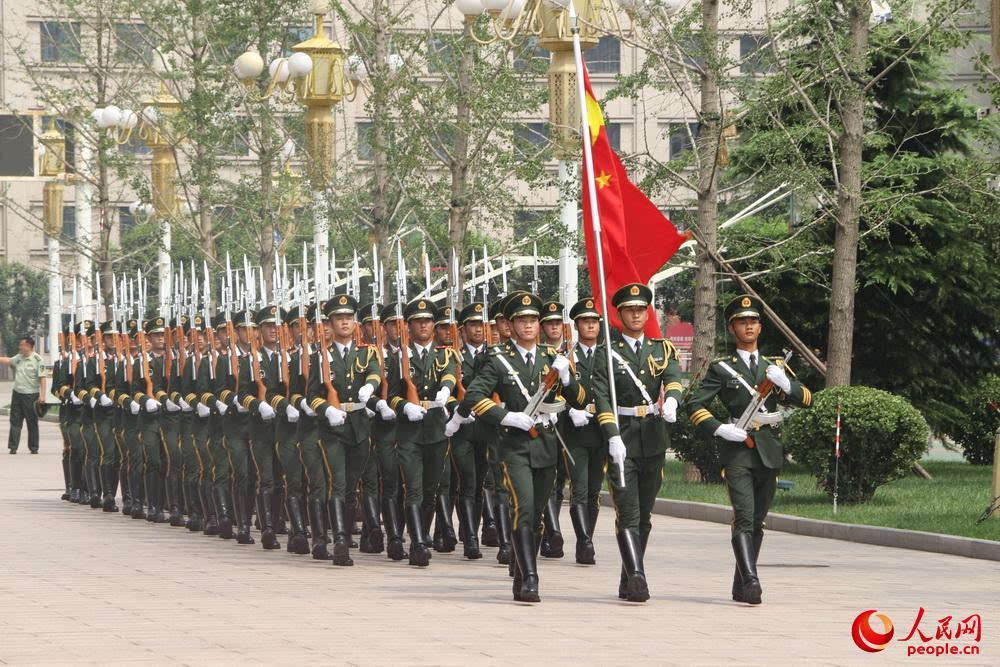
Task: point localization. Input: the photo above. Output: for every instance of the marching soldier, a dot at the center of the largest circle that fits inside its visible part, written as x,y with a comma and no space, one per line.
527,444
236,426
60,383
191,424
372,540
638,442
104,418
148,406
552,539
289,440
86,382
420,398
583,436
751,460
170,426
221,427
444,539
203,430
131,433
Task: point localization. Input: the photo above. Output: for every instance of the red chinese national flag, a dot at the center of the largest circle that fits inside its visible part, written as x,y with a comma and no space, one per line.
637,239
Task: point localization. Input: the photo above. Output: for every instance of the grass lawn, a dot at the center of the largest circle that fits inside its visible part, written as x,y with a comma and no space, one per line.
950,503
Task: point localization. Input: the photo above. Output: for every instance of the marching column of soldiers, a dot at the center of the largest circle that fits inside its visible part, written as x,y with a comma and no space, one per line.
302,416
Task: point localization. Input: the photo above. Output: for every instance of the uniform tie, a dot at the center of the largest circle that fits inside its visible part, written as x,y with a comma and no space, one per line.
590,352
753,364
527,360
638,344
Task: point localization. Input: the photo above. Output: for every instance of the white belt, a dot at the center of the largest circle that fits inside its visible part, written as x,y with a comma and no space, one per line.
591,408
551,408
429,405
352,407
639,410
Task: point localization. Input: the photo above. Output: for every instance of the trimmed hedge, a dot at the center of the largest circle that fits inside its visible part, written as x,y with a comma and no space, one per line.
976,431
693,447
881,436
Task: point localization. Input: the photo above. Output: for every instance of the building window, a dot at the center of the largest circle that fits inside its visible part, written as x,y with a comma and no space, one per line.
606,57
441,54
614,131
531,57
126,222
69,223
692,49
530,138
60,41
753,54
365,150
682,136
238,138
294,35
132,43
16,146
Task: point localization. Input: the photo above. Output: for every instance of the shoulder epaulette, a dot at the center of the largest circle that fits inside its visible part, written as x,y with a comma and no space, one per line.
549,349
657,340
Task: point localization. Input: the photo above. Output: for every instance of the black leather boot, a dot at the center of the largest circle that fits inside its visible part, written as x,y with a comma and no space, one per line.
420,555
298,543
470,546
224,506
94,484
67,479
636,588
175,490
154,489
268,538
279,512
552,539
758,537
372,539
489,536
394,531
76,480
317,517
243,503
121,471
526,570
352,513
109,480
593,511
139,495
584,543
341,529
442,518
503,534
746,567
195,506
211,512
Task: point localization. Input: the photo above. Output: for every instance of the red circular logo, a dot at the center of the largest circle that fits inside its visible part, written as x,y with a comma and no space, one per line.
866,637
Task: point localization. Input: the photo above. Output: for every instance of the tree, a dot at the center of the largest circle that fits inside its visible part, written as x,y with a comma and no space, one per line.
23,300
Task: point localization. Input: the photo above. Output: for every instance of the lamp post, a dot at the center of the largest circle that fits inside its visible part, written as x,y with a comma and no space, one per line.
549,21
53,168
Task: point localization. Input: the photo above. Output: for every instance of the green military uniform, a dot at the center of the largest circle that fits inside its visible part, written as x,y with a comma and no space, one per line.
105,415
288,433
237,441
151,404
117,384
344,446
421,444
586,445
229,451
202,401
86,382
444,539
132,466
643,368
59,385
191,427
552,539
527,458
750,473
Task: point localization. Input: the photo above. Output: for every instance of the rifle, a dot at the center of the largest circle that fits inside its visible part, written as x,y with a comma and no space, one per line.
453,327
303,323
355,290
377,321
487,328
72,334
100,338
209,329
279,302
143,346
255,374
168,342
180,305
192,307
128,344
229,300
758,396
324,361
404,335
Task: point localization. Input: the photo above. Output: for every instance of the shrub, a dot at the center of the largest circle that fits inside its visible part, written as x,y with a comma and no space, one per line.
881,436
976,431
693,447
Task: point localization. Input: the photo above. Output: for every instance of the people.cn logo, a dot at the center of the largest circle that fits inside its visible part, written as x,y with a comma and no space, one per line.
868,638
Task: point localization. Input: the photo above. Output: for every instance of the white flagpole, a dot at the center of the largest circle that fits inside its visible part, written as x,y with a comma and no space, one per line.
595,214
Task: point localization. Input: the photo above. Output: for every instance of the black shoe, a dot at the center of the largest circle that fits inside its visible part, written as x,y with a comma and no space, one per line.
747,568
394,532
470,546
584,543
552,539
12,452
341,538
504,554
317,517
420,555
636,589
372,540
34,451
211,526
525,585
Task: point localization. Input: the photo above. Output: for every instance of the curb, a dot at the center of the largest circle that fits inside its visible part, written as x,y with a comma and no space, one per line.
917,540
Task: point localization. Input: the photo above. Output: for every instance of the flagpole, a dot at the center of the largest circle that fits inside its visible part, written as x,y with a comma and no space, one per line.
595,214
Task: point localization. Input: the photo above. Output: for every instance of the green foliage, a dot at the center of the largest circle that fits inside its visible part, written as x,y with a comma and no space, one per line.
23,305
692,446
881,436
976,431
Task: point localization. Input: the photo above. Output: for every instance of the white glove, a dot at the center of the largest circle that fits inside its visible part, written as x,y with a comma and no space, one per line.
444,393
731,432
203,410
776,374
172,407
414,412
241,409
334,416
221,407
106,402
133,408
616,450
152,405
74,399
669,412
471,418
580,418
388,414
369,413
561,364
366,392
93,401
291,413
518,420
306,409
451,428
266,411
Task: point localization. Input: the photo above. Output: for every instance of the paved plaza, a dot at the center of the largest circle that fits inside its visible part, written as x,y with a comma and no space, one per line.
83,587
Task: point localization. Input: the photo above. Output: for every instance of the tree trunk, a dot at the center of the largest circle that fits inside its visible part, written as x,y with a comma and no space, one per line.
845,244
458,213
708,143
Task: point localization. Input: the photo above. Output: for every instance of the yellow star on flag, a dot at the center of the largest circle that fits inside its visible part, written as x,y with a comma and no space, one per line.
603,180
595,119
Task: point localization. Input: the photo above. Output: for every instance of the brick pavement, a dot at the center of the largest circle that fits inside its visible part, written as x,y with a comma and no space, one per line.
84,587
